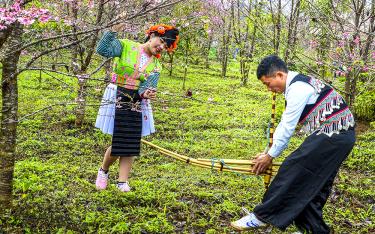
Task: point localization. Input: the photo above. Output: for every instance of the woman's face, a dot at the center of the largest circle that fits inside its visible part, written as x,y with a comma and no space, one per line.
156,45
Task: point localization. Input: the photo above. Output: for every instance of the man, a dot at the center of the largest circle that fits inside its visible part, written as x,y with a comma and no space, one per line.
303,183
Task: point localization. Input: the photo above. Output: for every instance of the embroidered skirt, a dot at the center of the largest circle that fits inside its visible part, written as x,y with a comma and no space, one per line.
106,114
120,115
127,128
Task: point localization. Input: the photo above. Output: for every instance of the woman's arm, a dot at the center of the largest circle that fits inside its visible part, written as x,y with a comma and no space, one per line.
147,89
109,46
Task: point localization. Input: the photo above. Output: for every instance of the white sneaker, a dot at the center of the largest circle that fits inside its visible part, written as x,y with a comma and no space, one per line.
248,222
123,187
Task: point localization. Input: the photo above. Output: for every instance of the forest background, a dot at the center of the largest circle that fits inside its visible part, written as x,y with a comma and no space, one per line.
210,105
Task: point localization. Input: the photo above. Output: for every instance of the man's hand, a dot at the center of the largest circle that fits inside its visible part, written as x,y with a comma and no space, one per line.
262,162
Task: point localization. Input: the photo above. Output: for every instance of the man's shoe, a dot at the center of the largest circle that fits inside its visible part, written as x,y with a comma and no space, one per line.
248,222
101,180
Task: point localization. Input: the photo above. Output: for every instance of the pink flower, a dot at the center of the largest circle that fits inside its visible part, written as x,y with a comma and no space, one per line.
91,4
25,21
114,77
356,40
44,18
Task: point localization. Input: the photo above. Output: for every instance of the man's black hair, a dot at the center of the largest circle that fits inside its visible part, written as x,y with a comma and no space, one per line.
269,65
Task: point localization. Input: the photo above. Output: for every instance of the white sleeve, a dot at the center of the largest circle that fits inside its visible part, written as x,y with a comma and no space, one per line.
297,97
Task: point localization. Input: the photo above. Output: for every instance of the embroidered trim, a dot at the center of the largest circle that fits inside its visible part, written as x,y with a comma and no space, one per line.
336,123
317,84
316,119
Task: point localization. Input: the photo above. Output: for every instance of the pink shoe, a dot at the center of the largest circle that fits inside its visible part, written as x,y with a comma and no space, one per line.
101,180
123,186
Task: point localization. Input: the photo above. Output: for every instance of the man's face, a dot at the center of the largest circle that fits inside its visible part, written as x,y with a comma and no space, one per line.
275,83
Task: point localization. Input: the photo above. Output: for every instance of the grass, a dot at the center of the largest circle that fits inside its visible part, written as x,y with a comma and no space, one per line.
57,162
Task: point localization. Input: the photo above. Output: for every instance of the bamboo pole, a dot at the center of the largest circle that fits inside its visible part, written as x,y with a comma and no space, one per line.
267,178
227,165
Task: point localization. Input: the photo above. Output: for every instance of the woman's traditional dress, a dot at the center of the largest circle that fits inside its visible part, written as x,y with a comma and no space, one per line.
123,112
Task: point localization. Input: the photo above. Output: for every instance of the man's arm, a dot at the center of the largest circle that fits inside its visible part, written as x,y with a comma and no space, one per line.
297,97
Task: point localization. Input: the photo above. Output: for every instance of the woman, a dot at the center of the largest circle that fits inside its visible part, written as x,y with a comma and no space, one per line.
125,111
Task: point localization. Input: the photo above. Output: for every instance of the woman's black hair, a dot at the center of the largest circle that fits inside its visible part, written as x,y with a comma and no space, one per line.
169,36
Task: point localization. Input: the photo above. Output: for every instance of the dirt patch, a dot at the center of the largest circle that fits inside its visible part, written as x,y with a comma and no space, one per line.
361,127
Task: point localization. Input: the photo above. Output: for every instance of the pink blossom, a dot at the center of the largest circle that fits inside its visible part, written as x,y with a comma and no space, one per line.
42,11
25,21
91,4
8,19
365,68
16,6
373,54
68,22
44,18
313,43
356,40
341,43
319,62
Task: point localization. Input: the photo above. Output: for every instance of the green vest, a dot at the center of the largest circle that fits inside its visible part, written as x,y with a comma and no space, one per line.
124,66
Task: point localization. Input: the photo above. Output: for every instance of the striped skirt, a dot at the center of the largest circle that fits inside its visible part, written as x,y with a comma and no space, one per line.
127,128
120,115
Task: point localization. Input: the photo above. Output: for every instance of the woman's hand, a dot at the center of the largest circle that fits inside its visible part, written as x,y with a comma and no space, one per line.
149,94
119,26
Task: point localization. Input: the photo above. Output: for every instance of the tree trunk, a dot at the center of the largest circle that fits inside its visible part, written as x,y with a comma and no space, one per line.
9,115
171,57
225,49
292,31
81,100
278,29
208,51
186,63
84,64
108,71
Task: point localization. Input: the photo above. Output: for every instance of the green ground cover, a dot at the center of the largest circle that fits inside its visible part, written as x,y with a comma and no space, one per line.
54,189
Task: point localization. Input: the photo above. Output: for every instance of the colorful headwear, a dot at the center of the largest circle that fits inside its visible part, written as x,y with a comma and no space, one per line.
168,33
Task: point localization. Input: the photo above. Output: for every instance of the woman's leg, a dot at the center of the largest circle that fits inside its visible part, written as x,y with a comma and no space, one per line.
125,167
102,177
108,160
